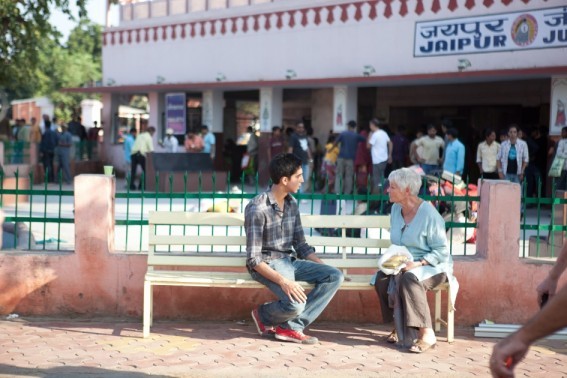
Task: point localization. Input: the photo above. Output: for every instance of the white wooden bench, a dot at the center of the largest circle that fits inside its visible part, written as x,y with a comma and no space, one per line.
179,241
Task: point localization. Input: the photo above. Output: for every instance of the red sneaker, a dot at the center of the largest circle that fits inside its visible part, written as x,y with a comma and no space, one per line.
263,330
294,336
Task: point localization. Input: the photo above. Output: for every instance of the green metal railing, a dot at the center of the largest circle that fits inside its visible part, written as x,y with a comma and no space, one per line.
40,216
43,214
132,207
542,224
16,152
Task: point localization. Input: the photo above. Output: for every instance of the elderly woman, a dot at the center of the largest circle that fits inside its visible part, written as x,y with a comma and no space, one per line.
419,227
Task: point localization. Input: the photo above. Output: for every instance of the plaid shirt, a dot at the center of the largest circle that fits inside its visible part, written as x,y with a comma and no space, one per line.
270,233
522,154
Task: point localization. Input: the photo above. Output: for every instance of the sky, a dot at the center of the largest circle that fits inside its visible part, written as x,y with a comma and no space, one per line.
96,12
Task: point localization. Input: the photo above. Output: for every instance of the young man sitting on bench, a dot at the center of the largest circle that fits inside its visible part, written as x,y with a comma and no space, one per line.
278,257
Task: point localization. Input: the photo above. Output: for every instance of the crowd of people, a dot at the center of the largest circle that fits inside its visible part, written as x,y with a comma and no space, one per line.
57,143
137,145
347,159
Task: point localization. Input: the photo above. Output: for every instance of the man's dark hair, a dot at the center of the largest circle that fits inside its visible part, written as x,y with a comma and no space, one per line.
487,132
351,124
376,122
133,130
276,128
204,127
513,126
453,132
283,165
431,126
564,129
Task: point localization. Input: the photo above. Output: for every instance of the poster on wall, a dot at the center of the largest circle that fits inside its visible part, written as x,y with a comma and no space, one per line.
558,101
176,112
530,29
339,124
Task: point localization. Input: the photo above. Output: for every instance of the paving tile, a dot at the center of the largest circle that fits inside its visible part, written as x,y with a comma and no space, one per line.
222,349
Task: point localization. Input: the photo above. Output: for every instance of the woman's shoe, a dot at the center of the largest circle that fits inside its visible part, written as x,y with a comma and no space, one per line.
392,337
420,346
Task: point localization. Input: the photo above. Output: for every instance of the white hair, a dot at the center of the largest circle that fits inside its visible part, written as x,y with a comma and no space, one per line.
406,178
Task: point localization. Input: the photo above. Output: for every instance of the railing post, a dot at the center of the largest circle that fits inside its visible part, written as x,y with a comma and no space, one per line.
94,200
499,222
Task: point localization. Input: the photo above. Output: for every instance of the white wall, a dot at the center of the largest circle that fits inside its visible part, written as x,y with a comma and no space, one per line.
337,50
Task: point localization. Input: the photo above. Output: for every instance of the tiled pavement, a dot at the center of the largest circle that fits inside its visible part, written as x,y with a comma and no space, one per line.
39,347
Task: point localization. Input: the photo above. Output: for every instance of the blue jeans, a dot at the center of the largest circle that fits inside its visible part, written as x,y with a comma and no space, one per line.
512,178
429,168
294,315
306,187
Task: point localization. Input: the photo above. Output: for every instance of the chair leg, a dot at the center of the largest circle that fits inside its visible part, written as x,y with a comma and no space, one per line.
450,318
437,310
147,308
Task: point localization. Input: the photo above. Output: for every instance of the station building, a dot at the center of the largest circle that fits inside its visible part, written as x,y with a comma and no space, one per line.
231,63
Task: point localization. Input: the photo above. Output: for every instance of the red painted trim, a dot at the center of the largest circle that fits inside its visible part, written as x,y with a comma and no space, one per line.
388,9
419,7
330,14
373,14
393,80
403,8
436,6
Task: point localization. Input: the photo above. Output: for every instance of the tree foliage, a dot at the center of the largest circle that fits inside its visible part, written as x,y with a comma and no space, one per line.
25,30
35,63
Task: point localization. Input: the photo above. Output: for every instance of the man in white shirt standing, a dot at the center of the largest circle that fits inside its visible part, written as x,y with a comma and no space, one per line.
432,147
486,154
170,143
381,150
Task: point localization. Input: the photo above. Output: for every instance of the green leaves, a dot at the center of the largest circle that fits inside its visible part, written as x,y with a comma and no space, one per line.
26,34
33,61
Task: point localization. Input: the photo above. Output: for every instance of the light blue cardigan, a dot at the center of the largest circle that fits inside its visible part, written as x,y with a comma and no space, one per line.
425,237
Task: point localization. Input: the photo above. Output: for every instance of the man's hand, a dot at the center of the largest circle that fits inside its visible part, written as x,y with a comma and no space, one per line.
506,355
547,286
293,290
390,160
521,176
501,175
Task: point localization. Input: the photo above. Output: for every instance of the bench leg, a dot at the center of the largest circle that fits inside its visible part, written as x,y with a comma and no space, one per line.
438,311
450,318
147,308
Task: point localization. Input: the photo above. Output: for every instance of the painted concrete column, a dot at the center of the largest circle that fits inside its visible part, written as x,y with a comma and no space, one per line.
499,222
271,114
109,117
271,104
213,109
94,238
345,108
157,106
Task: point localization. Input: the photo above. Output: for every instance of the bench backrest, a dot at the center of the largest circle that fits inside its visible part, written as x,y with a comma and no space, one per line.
169,244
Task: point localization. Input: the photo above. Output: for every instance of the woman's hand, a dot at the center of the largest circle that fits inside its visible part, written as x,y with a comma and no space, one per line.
412,265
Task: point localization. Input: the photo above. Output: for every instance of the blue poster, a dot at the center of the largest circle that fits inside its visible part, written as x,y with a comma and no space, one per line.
175,112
